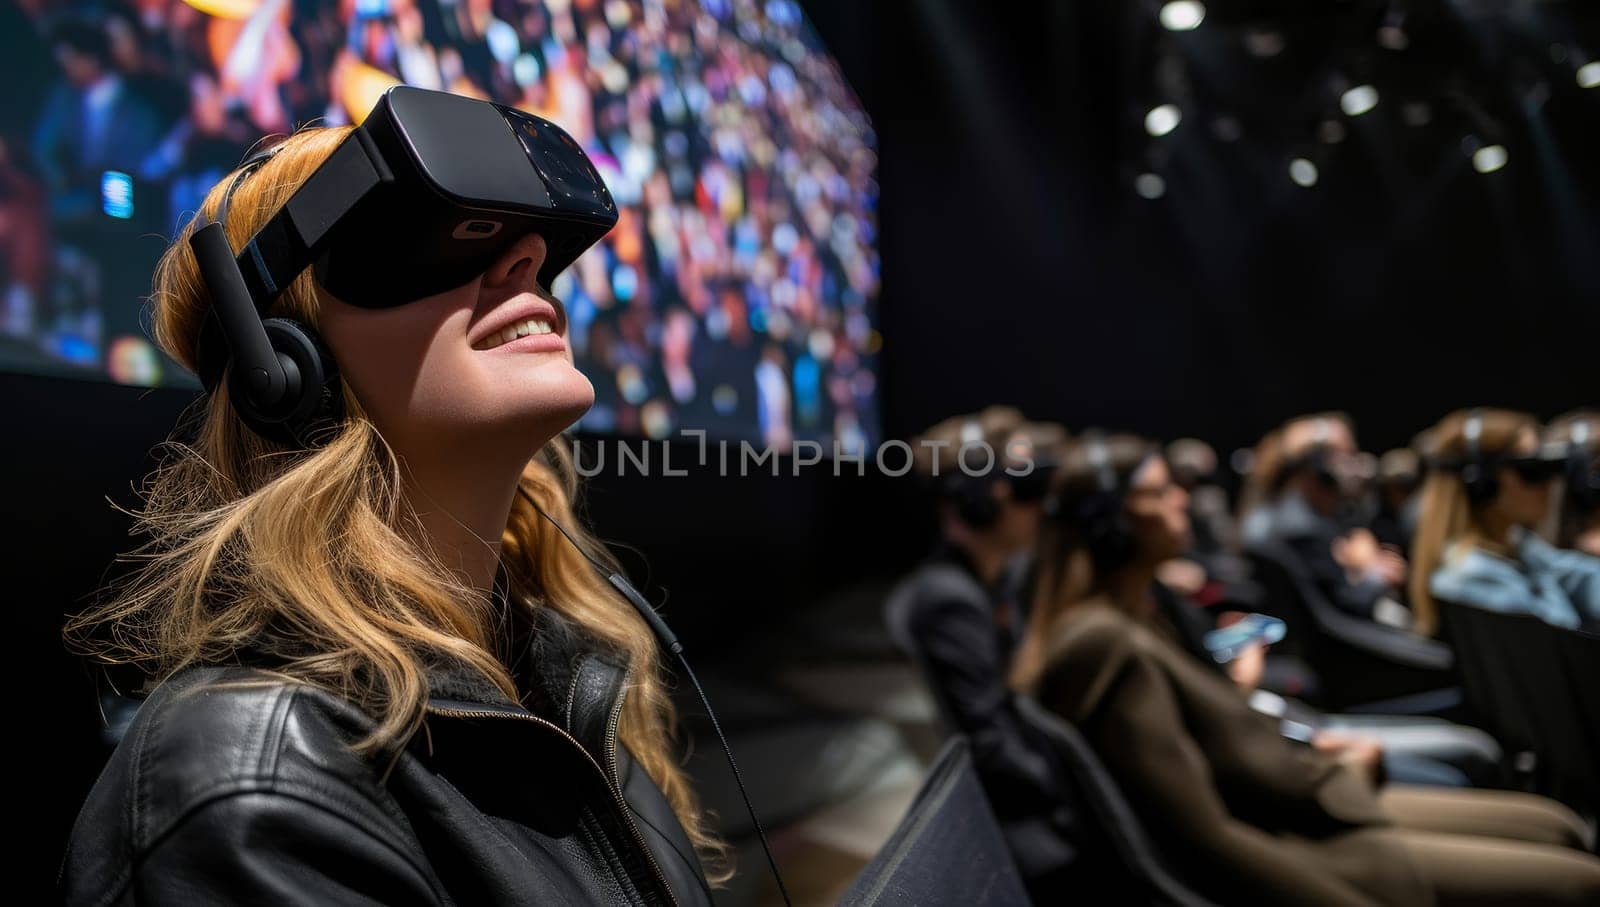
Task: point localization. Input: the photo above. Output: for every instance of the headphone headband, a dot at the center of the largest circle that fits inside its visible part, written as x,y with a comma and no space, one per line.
249,165
1472,434
1099,457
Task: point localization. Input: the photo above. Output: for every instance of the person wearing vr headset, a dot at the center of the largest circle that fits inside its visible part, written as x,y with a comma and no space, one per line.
1490,486
1298,493
958,615
381,674
1245,814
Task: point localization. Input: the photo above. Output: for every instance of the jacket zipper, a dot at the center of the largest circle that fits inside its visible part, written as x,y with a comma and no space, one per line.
614,786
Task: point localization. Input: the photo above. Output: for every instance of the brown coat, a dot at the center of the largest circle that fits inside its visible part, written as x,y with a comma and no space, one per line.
1246,815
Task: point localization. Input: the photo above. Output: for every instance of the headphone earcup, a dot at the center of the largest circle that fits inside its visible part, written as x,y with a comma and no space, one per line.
308,416
1480,484
975,503
1107,532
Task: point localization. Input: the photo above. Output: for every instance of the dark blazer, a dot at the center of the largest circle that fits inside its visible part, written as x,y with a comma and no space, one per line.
1246,815
946,619
234,785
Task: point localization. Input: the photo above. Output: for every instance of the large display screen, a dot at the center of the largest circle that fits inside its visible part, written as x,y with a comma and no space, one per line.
736,295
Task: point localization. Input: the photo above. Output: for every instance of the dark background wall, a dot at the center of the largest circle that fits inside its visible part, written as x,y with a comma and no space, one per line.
1018,267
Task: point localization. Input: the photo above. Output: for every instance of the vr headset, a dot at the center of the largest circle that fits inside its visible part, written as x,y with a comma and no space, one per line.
420,198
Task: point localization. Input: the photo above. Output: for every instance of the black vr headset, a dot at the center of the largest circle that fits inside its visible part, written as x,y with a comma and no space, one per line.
1479,470
422,197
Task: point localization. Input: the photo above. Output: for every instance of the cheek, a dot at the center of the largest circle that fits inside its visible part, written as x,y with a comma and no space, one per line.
1539,496
395,359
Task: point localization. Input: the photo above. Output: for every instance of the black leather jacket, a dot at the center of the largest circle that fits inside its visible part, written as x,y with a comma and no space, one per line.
232,785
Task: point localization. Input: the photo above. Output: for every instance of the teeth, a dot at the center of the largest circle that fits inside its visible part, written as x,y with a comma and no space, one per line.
508,334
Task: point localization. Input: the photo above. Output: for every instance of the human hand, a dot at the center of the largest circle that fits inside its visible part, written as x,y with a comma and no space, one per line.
1363,754
1390,566
1247,667
1356,551
1182,576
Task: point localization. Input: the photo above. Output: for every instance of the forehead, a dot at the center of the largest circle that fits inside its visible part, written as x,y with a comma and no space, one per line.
1527,440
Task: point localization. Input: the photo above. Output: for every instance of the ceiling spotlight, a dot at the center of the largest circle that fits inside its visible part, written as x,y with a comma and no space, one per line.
1589,74
1489,158
1182,15
1331,132
1303,172
1358,100
1264,43
1162,120
1150,185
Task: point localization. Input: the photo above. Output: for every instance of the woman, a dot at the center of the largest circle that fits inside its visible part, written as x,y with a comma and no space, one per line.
1474,545
384,676
1246,814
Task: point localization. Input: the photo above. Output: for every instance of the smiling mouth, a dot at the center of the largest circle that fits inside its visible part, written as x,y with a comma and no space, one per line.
520,329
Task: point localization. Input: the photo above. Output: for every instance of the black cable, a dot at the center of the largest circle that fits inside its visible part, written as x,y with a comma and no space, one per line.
728,751
669,641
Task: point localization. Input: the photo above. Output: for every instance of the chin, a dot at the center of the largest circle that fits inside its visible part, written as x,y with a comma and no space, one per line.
561,399
543,401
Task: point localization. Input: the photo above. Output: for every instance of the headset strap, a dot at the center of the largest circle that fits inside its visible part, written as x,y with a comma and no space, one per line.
292,238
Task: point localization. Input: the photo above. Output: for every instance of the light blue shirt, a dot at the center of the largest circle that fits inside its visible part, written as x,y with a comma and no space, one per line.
1561,587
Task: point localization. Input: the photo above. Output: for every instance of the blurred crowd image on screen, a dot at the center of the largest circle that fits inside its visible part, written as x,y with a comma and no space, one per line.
737,293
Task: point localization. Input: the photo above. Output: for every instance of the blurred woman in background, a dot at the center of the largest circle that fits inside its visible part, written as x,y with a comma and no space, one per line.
1475,543
1246,814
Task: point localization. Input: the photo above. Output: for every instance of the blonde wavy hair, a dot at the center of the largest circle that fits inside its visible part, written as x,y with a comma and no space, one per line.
311,553
1446,518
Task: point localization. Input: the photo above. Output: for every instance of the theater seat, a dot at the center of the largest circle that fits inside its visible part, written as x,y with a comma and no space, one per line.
1534,682
1363,666
1121,835
947,850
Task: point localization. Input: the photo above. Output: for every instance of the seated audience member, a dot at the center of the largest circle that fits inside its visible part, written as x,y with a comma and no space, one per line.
1300,488
1578,519
1194,466
1489,487
1399,479
958,614
1245,814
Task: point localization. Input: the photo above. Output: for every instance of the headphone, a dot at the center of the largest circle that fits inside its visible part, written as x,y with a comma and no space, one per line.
1315,457
973,495
1101,515
282,380
1481,482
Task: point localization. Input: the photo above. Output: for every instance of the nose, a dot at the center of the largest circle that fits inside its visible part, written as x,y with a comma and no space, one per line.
519,264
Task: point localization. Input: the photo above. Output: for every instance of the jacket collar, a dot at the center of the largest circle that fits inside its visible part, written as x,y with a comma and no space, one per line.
563,674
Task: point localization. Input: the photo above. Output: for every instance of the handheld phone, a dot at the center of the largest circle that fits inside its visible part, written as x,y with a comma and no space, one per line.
1226,643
